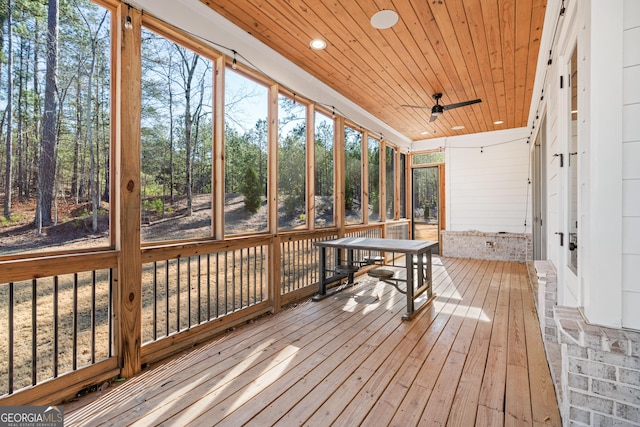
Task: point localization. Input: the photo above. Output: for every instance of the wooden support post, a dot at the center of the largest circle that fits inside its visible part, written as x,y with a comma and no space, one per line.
339,158
274,274
272,180
128,288
383,181
218,149
275,256
365,177
396,184
311,166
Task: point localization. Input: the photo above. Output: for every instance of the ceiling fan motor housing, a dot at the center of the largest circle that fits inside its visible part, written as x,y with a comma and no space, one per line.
437,110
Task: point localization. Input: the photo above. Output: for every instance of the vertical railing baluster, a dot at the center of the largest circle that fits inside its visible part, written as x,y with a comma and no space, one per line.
245,267
241,285
166,297
93,317
261,273
208,286
294,265
188,292
109,312
11,337
226,283
233,280
283,268
291,268
34,332
155,300
75,321
217,284
56,322
199,291
255,275
178,295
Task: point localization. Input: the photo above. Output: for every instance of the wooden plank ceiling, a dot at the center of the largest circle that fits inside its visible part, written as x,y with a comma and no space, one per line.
464,49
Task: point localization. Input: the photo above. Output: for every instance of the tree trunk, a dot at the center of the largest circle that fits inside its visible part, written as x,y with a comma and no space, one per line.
33,134
21,84
171,171
93,190
9,153
190,67
76,146
47,167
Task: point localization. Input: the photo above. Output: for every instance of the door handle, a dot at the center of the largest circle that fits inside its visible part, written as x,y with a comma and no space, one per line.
561,234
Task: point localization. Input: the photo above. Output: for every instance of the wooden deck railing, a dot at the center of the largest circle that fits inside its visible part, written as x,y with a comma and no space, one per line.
55,321
58,325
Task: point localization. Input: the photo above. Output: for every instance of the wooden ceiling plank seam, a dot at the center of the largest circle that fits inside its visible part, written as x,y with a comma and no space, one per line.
471,58
507,21
428,22
451,36
427,56
473,11
523,10
460,32
494,44
241,22
413,51
442,126
367,61
387,52
479,53
427,18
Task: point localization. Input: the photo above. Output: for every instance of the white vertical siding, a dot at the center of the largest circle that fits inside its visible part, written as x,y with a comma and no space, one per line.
631,167
488,184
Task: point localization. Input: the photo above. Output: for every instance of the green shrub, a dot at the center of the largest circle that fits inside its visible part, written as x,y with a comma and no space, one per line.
251,190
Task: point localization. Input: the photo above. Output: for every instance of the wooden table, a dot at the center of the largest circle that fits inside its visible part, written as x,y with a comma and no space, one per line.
417,252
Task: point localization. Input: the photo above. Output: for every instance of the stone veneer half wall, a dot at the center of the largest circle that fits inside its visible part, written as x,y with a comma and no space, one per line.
596,370
489,246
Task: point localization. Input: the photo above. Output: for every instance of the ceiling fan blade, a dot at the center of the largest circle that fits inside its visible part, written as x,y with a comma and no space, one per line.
433,118
461,104
415,106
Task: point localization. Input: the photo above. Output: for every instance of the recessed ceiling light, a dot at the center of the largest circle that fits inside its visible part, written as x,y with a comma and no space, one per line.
384,19
318,44
457,127
426,132
498,122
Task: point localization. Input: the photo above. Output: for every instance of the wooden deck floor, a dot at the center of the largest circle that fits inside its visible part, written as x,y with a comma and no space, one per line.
474,356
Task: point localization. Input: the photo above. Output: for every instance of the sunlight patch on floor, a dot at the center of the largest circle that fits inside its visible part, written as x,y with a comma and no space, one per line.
470,312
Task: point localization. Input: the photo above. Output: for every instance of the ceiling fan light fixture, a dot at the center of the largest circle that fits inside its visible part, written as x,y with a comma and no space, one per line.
318,44
384,19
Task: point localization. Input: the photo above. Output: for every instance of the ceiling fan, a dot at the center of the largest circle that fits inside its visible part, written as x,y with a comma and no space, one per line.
438,109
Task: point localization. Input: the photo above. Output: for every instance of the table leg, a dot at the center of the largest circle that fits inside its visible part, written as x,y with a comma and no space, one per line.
410,302
322,262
